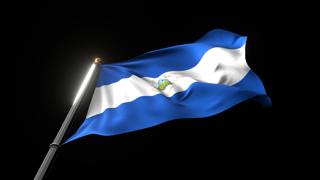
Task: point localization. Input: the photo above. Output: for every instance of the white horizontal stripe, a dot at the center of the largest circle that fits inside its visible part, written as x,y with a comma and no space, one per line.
217,66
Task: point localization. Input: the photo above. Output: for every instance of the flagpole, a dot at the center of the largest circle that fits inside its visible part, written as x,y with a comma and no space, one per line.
53,147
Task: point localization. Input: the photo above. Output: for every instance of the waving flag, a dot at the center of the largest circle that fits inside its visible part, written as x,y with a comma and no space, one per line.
193,80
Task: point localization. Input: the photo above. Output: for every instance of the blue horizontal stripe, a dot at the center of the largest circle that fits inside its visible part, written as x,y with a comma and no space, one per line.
176,58
199,100
223,38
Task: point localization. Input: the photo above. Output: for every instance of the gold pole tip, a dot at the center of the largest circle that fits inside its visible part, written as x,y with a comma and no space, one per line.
97,60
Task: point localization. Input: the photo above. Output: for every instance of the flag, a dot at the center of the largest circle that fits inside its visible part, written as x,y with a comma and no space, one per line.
193,80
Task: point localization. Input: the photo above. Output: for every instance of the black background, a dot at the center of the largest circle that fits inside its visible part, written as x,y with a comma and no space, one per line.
59,42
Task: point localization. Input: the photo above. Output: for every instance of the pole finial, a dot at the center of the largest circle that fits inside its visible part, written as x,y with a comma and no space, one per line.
97,60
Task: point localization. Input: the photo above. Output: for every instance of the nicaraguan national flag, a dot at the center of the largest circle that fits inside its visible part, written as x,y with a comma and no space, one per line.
186,81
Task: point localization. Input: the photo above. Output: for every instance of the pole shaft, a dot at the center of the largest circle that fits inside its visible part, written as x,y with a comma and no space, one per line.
57,141
45,164
52,149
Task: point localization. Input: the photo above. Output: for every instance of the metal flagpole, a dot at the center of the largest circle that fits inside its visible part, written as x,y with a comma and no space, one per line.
53,147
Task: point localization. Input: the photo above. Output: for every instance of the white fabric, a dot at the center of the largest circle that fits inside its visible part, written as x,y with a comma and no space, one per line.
217,66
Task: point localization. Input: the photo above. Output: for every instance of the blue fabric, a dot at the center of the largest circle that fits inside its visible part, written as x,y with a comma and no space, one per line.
176,58
199,100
